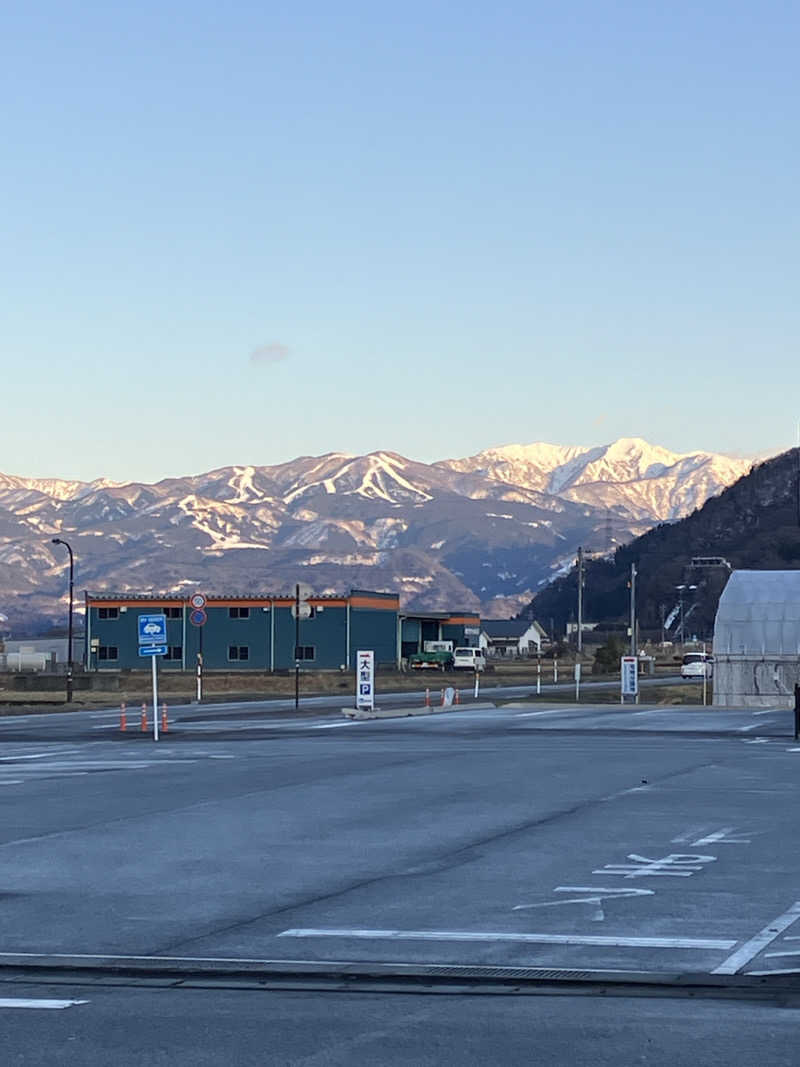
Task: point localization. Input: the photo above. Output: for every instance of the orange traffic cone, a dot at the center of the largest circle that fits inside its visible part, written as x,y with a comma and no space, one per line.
143,726
123,718
164,724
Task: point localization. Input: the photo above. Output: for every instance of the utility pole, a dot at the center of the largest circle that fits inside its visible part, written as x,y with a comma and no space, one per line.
632,584
580,599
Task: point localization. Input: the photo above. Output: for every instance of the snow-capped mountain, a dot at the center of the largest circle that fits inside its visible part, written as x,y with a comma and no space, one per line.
485,532
646,481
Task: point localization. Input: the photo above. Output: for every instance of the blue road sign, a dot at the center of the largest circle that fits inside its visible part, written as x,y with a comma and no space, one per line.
152,629
152,650
198,617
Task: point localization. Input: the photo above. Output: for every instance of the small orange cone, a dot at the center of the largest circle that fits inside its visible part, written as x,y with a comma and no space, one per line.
442,703
123,718
143,726
164,724
457,699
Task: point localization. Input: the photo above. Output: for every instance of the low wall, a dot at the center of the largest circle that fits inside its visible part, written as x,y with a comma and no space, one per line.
755,682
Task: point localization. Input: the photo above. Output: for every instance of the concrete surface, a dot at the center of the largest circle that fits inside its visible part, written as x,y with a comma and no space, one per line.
654,839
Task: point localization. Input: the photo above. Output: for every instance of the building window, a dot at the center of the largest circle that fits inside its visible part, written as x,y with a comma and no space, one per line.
108,613
106,652
173,613
174,652
238,613
238,652
305,652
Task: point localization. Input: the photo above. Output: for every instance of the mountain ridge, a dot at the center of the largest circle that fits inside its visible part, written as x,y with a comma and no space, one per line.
441,535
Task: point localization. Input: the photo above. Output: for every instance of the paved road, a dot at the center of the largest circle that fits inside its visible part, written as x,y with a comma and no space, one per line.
204,1028
599,839
240,715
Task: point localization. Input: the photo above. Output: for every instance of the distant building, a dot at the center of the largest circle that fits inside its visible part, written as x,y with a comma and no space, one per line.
512,637
757,640
257,633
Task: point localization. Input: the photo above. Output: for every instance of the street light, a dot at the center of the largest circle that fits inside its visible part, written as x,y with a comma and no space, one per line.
59,541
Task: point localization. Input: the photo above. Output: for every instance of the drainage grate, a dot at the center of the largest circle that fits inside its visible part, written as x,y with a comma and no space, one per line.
456,971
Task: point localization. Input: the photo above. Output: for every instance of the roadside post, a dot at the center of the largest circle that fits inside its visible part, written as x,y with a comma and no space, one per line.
153,643
198,617
538,676
797,712
555,670
365,679
705,676
629,678
577,682
477,685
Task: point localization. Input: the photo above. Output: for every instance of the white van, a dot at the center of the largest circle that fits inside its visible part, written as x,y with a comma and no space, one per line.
697,665
469,659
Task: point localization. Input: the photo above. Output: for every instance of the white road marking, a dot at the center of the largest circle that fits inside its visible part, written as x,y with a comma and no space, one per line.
756,741
725,836
772,955
676,865
751,948
767,711
681,839
596,897
750,726
19,1002
793,749
493,935
533,714
38,755
334,725
13,781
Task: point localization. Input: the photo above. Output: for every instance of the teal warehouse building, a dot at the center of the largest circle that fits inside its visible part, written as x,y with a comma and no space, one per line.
257,633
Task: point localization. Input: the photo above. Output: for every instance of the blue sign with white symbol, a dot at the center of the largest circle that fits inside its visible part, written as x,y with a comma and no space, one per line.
152,629
152,650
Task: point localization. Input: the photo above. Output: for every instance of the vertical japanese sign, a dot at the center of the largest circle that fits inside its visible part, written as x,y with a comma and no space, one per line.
629,676
365,679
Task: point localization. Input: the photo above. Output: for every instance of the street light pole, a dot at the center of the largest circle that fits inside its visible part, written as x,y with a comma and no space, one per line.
632,584
580,600
59,541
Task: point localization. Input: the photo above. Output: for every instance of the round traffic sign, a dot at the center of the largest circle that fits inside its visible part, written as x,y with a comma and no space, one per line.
198,617
197,600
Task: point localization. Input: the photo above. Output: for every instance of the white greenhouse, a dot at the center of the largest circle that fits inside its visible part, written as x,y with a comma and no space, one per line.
757,640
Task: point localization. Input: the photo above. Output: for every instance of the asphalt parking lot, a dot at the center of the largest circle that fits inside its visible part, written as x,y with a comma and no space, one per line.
592,841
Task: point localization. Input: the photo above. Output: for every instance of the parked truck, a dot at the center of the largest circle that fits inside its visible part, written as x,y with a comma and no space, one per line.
436,656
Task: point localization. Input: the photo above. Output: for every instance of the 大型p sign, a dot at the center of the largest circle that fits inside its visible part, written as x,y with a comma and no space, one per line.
365,679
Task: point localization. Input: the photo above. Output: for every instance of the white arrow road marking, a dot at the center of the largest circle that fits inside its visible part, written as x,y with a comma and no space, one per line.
9,1002
598,894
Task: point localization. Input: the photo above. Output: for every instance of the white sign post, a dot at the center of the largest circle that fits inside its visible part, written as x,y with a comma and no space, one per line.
365,679
577,681
153,643
629,678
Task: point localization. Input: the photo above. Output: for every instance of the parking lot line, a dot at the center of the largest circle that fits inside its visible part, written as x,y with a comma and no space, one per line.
742,956
608,941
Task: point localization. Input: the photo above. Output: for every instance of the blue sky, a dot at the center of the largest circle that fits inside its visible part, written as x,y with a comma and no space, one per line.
439,226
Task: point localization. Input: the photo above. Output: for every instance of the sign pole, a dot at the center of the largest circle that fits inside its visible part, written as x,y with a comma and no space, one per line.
153,660
296,647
